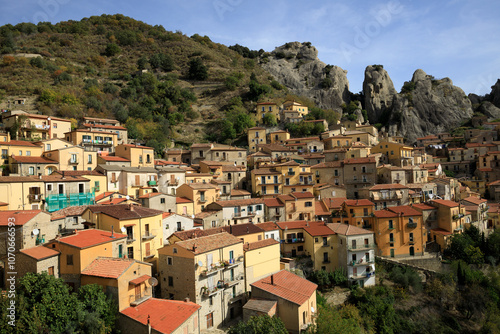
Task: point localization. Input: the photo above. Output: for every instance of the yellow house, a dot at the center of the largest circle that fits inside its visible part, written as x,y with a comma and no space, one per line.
143,227
22,192
247,232
126,278
319,244
399,231
211,167
18,148
296,177
199,177
337,142
73,158
295,106
292,237
200,193
451,218
394,153
138,155
256,136
81,248
355,212
298,206
296,298
279,137
93,140
106,125
37,127
263,108
266,182
184,206
262,258
53,144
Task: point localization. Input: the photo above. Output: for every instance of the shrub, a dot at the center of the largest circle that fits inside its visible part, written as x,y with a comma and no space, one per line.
112,50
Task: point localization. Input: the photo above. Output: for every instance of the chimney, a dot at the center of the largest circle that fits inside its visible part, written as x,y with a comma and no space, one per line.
131,207
248,230
186,300
112,232
272,279
194,250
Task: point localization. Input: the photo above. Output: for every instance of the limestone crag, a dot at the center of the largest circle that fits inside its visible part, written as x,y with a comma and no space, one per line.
379,92
428,106
296,65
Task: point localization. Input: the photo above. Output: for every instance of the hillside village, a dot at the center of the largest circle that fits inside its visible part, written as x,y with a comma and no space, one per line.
213,233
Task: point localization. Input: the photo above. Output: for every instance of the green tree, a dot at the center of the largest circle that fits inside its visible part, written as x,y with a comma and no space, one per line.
112,50
331,320
197,70
263,324
269,120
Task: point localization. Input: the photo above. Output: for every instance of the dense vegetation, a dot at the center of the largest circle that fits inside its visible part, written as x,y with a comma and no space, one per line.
45,304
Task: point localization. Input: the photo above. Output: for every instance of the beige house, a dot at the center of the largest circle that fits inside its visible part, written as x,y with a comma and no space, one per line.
139,156
201,194
296,298
37,127
93,141
21,192
262,258
107,125
217,281
73,158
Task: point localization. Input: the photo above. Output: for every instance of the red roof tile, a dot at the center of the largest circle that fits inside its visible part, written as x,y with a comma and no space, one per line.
474,200
180,200
139,280
164,316
209,243
305,194
90,238
334,202
21,216
423,206
32,160
388,186
318,230
19,143
297,224
268,226
406,210
287,286
259,244
359,160
445,202
125,211
113,158
108,267
346,229
40,252
358,202
441,231
272,202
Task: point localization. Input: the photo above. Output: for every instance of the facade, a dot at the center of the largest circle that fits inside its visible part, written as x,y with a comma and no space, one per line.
72,158
240,211
93,141
173,222
262,258
139,156
158,201
255,136
37,259
37,127
217,281
359,173
107,125
319,242
296,298
201,194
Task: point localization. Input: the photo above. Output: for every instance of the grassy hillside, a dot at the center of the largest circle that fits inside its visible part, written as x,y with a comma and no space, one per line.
163,85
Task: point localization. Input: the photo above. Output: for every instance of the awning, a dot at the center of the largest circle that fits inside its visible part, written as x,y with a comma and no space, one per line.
140,280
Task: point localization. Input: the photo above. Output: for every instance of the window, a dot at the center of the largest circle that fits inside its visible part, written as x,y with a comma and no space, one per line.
69,259
308,204
89,160
411,237
170,281
391,237
73,158
391,224
202,196
170,260
51,271
28,153
140,159
174,250
162,200
20,152
276,189
31,170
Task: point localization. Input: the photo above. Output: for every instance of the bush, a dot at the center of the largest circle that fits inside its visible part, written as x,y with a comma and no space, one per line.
112,50
197,70
406,277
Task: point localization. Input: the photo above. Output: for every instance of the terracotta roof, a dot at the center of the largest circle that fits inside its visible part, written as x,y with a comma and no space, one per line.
474,200
19,143
11,179
305,194
259,244
164,316
149,195
318,230
40,252
206,213
239,192
320,209
359,160
330,164
21,216
423,206
69,211
108,267
384,214
260,305
441,231
445,202
346,229
388,186
287,286
272,202
33,160
137,146
197,233
268,226
140,279
406,210
113,158
125,211
295,224
242,229
113,201
358,202
111,127
284,198
104,194
209,243
180,200
79,172
90,238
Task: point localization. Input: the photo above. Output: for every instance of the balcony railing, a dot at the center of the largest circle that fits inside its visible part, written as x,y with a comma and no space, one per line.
130,239
291,173
152,183
293,240
362,262
148,235
73,161
326,261
35,197
360,247
411,225
325,245
243,214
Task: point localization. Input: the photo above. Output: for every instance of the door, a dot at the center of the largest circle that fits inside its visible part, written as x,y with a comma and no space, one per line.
137,291
61,189
210,320
209,261
412,251
294,253
120,251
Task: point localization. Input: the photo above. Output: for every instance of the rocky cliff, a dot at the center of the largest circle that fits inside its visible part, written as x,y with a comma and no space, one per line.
379,92
296,65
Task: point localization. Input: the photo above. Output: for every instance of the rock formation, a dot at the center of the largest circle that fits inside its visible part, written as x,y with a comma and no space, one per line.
379,92
296,65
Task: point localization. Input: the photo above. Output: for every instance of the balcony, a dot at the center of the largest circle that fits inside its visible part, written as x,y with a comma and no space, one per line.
209,291
35,198
325,245
136,299
213,269
361,262
243,214
361,247
236,297
326,261
291,173
152,183
130,239
147,236
172,183
73,161
231,263
293,240
411,225
362,276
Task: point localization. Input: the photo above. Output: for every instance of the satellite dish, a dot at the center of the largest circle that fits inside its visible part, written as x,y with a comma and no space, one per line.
192,216
200,263
123,229
127,197
36,231
153,281
312,309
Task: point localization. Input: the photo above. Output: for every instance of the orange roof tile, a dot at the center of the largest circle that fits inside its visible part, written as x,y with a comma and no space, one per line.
287,286
297,224
441,231
334,202
474,200
268,226
32,159
40,252
272,202
90,238
208,243
358,202
107,267
21,216
179,200
140,279
318,230
346,229
445,202
305,194
113,158
164,316
388,186
406,210
259,244
423,206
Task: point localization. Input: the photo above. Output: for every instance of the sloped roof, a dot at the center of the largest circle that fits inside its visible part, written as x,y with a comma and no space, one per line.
21,216
32,159
474,200
259,244
69,211
272,202
287,286
90,238
40,252
388,186
125,211
268,226
108,267
164,315
346,229
358,202
209,243
318,230
445,202
240,202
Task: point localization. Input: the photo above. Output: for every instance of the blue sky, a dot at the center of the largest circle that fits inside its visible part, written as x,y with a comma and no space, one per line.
458,39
